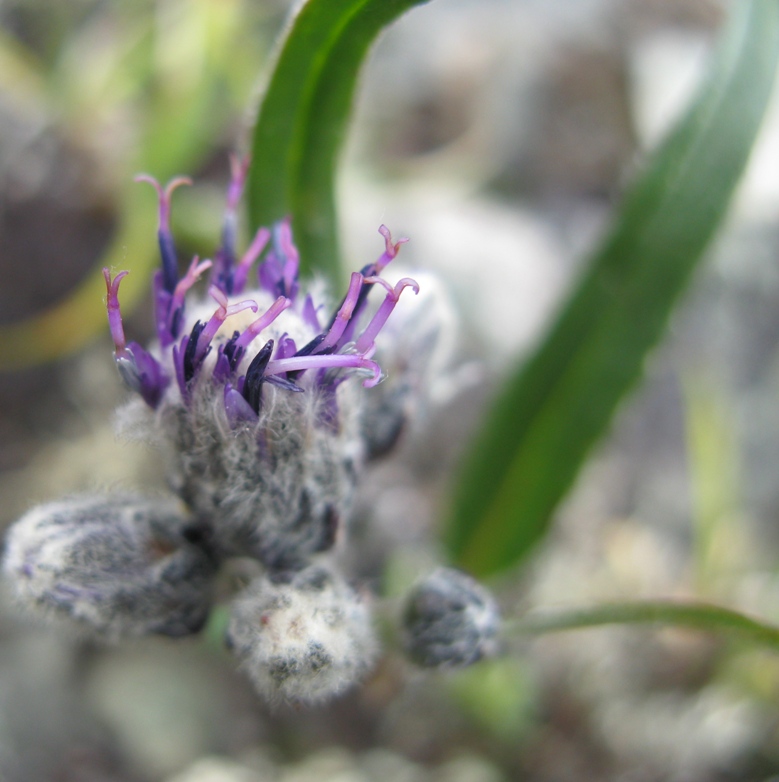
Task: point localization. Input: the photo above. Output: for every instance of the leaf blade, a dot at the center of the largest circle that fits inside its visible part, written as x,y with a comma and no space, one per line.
302,121
560,403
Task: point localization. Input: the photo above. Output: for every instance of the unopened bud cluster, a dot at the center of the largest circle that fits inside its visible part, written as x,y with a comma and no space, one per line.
253,396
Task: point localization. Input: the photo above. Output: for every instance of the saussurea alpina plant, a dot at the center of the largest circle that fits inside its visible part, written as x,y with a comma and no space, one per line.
256,396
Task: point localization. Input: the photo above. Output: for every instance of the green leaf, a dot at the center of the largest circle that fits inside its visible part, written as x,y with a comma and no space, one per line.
701,616
553,410
303,118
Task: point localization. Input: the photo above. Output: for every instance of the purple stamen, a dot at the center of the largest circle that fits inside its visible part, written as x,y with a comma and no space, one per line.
366,340
114,312
263,321
329,361
164,235
250,256
224,310
344,314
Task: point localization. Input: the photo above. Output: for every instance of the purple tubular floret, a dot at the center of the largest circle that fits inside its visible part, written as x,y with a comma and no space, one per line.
114,312
366,340
254,251
217,319
170,272
371,270
253,329
224,267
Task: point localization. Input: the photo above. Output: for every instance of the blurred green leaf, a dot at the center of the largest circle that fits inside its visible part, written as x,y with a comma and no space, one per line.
553,410
720,539
167,72
498,695
303,118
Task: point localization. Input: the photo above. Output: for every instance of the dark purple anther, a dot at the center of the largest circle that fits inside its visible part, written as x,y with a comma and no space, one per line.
228,359
193,357
179,351
252,386
170,273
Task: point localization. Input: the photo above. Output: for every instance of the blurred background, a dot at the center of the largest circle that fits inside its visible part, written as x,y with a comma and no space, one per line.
498,135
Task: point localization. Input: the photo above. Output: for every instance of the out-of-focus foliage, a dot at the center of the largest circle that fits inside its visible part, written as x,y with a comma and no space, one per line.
143,86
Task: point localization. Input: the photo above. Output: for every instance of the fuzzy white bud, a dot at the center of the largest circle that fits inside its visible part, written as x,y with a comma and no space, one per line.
304,637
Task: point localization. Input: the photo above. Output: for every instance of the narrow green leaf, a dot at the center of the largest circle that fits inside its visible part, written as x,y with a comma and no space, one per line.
702,616
303,118
553,410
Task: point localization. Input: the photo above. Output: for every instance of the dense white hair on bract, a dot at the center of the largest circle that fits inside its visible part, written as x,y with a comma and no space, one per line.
304,637
111,565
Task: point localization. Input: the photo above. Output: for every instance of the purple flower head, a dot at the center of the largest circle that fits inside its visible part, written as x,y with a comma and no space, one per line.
253,387
324,355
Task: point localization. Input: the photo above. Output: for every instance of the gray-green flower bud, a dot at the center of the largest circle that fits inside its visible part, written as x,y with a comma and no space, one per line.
450,621
116,565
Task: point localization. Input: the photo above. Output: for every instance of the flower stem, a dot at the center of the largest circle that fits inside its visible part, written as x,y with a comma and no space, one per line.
702,616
